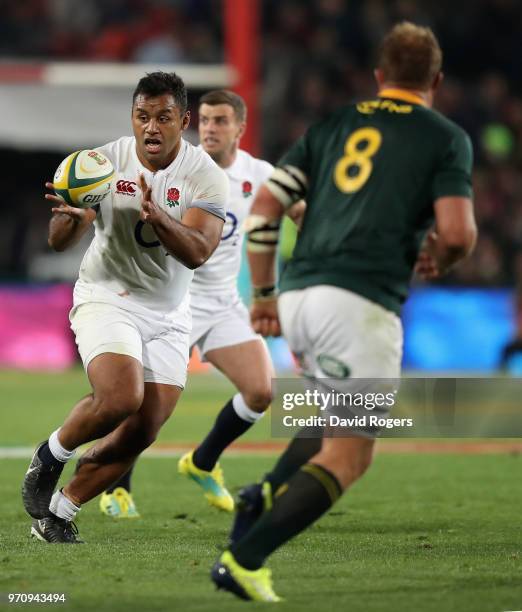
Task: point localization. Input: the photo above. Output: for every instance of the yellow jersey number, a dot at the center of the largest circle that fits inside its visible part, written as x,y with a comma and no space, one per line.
357,156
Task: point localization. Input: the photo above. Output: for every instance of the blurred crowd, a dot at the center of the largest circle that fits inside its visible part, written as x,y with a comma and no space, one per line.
113,30
316,56
327,47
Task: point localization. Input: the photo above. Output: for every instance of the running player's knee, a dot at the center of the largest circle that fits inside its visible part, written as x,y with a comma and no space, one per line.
117,404
258,398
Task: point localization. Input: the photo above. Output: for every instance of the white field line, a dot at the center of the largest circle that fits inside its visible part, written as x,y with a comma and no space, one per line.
26,452
485,447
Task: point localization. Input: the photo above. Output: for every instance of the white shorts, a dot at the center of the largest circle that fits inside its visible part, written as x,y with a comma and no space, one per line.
219,321
333,332
155,342
344,343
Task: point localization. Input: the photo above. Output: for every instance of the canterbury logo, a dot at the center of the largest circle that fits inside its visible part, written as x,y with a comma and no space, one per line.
126,187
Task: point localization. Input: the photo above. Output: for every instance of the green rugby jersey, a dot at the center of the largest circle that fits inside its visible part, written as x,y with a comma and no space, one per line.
374,172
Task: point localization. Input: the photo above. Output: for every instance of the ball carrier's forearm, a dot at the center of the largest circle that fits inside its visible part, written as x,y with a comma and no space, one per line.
67,227
191,241
186,244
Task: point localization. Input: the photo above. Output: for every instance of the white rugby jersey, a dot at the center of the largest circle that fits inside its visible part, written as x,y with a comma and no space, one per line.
126,263
219,273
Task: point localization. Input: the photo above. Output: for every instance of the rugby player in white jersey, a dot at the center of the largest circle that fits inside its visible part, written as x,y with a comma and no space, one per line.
131,315
220,322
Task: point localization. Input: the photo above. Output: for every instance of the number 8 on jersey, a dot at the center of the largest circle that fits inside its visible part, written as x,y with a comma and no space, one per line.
357,157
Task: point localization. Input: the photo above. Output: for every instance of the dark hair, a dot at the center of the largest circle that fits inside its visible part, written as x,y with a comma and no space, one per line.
224,96
410,56
160,83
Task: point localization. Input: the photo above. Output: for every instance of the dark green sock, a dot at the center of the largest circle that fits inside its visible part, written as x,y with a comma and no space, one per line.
296,505
301,449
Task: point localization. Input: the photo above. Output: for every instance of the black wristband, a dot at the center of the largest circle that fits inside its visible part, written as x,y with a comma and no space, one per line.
263,292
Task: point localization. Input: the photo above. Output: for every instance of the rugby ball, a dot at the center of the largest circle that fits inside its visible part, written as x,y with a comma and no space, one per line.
83,179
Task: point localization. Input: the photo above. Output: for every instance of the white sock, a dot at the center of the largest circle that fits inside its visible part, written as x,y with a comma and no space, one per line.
63,507
57,450
243,411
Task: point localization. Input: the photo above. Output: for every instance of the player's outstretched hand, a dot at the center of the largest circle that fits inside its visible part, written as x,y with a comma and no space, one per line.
150,211
61,208
264,318
427,266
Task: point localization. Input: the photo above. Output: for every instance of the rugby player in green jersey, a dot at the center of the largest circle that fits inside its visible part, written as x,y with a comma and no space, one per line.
387,183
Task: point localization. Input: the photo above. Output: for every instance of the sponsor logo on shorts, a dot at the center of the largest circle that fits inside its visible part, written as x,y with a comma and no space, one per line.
333,367
126,187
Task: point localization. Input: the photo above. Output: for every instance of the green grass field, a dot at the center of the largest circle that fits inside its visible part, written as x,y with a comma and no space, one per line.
419,533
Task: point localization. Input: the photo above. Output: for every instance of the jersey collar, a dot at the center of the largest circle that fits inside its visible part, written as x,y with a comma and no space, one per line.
402,94
236,170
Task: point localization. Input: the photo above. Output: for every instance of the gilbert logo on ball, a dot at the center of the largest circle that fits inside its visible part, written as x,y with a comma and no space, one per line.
83,179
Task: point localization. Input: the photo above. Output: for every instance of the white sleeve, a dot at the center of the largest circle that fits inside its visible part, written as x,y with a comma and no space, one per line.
212,192
265,171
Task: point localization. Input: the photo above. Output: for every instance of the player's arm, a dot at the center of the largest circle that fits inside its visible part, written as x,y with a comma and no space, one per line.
285,187
191,241
68,224
451,240
296,213
455,232
262,229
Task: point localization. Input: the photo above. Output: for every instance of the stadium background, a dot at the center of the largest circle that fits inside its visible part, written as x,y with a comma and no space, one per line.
441,522
309,58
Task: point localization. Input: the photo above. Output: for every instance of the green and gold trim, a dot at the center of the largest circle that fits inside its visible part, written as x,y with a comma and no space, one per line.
328,481
405,95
